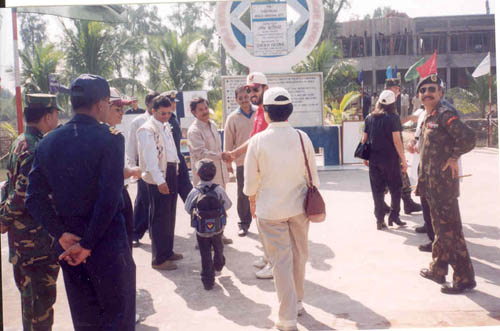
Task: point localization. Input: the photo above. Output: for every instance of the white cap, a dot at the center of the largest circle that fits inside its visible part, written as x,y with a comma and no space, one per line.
115,96
256,77
387,97
277,96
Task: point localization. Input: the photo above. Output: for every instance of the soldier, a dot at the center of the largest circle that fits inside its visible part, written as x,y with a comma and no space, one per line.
444,139
30,245
80,166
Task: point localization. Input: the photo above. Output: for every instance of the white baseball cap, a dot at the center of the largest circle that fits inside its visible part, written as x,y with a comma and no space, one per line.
256,78
277,96
387,97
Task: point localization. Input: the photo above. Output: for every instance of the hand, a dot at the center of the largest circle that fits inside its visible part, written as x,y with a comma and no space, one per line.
252,205
226,157
404,166
163,188
3,228
75,255
411,146
68,239
453,165
366,163
230,169
135,172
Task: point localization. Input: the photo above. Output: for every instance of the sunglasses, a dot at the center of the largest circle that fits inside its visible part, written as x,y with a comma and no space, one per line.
164,113
431,89
255,89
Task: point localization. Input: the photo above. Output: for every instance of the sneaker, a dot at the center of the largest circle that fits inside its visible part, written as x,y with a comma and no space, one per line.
286,325
167,265
226,241
266,272
300,308
260,263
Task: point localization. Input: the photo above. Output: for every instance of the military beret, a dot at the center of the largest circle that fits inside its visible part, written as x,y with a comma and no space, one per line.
90,86
431,79
391,82
41,101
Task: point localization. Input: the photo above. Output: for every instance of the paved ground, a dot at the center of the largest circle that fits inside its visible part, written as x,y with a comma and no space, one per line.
356,278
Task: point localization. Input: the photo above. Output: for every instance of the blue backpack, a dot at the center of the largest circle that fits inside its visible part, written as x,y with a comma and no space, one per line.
208,214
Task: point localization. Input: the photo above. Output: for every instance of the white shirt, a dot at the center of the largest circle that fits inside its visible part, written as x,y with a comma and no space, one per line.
147,146
275,170
131,150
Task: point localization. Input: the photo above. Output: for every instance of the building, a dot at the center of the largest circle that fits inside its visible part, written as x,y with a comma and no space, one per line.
461,43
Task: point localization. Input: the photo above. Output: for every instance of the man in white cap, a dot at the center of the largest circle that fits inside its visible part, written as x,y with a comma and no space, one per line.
135,107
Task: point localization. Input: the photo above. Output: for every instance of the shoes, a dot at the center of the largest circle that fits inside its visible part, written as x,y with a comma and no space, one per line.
381,225
286,325
226,241
397,221
425,248
410,206
458,288
426,273
208,287
260,263
136,243
300,308
243,231
167,265
421,229
175,257
266,272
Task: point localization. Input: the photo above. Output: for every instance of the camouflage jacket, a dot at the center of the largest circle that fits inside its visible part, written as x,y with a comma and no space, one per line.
29,243
443,136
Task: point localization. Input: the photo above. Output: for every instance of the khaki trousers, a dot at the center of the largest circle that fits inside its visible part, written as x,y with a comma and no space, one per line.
285,242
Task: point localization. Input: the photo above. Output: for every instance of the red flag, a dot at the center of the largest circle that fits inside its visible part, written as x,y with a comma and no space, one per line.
429,67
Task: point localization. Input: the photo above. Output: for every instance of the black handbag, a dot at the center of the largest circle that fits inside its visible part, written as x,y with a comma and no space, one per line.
362,151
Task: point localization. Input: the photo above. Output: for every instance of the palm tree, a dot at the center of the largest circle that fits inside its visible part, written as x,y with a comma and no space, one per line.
36,68
479,87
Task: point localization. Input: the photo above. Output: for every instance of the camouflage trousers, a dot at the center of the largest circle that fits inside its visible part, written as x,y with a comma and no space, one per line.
448,247
405,188
37,285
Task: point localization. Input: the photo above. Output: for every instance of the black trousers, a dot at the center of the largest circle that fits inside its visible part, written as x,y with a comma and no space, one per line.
209,264
101,292
162,208
141,210
381,175
243,204
426,211
128,213
183,181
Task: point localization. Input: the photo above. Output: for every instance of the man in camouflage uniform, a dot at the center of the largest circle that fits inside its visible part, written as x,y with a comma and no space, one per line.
30,245
444,139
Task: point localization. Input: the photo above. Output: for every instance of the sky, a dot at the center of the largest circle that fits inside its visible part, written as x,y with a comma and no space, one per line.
357,10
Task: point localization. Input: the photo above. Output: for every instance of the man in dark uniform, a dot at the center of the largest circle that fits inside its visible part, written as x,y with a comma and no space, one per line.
445,138
30,245
184,185
80,166
409,206
135,107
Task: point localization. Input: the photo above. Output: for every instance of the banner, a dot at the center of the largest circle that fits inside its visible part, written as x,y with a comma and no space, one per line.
483,68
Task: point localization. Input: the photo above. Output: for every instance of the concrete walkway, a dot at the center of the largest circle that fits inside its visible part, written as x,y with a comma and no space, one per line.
356,278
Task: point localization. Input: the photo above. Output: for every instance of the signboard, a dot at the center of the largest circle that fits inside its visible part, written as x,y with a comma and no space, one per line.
306,91
269,28
352,132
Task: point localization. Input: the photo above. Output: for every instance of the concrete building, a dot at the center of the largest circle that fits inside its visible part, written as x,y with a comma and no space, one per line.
461,43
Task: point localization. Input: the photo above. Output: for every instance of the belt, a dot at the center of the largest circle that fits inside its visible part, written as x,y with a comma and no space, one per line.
174,164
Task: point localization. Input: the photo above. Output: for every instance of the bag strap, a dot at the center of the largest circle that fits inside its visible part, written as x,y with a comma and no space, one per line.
305,159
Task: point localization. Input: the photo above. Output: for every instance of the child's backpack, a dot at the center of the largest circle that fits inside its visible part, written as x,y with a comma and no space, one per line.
208,214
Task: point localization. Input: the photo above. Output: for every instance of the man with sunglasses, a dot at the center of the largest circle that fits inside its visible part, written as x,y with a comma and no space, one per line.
409,206
159,163
444,138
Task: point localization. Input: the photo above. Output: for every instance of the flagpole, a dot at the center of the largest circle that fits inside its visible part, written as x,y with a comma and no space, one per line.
489,114
19,103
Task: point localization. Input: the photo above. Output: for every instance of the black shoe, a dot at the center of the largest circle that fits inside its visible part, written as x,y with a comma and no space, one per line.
425,248
426,273
458,288
208,287
410,206
421,229
136,243
243,231
397,221
381,225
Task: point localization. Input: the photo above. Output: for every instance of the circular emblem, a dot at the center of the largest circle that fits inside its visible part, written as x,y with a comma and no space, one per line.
434,78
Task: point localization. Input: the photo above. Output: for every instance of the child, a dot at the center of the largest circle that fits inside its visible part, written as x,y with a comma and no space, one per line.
207,203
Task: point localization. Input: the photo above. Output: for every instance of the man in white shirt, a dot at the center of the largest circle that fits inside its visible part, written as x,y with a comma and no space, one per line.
159,163
141,205
276,184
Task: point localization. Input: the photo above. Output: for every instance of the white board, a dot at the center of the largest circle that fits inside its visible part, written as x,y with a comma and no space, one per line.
352,132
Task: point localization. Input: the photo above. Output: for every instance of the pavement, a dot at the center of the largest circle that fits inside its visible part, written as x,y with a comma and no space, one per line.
356,277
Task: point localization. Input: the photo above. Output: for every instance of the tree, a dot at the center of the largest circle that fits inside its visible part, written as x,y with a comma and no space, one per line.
479,87
387,12
32,30
332,9
38,66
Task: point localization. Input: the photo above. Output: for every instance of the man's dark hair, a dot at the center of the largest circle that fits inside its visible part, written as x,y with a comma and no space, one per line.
161,101
195,102
206,170
279,113
150,96
34,115
389,109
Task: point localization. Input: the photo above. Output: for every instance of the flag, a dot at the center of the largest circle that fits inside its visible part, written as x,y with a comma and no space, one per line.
395,72
412,72
483,68
110,13
388,72
429,67
360,77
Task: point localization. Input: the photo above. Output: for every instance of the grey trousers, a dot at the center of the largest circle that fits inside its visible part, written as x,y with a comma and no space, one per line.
243,205
285,242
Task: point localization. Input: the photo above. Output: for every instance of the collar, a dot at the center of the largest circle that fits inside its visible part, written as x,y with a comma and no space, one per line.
200,123
279,124
33,130
202,182
249,115
156,122
84,118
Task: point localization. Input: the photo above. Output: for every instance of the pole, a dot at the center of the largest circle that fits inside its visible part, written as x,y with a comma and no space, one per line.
489,115
19,102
